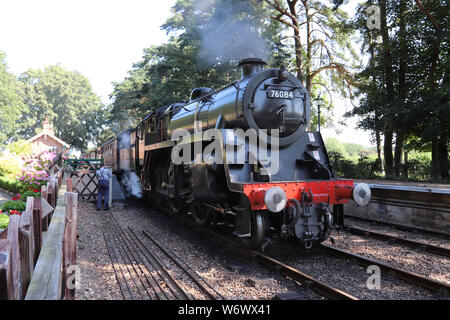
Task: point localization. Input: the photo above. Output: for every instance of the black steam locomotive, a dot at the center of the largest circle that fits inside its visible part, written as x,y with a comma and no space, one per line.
241,152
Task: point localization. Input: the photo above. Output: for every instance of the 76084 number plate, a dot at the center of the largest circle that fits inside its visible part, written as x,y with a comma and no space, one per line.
280,94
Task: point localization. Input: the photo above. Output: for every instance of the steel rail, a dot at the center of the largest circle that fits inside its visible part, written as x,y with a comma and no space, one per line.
400,226
162,269
442,251
159,294
188,270
408,276
123,253
111,250
170,292
289,272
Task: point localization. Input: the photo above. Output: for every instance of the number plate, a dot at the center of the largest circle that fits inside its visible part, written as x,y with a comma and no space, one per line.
280,94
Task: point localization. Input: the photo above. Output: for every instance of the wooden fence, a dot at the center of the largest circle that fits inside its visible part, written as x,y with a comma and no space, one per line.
29,239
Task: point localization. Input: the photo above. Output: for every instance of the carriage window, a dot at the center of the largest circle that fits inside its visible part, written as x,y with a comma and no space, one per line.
151,124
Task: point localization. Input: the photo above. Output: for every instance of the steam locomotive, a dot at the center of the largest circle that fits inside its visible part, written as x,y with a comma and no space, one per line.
273,180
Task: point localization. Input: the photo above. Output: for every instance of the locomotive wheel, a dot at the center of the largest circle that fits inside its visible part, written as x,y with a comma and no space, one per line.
158,178
257,230
201,214
176,206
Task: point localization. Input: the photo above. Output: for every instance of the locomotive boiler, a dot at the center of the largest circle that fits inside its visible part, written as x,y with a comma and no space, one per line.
246,157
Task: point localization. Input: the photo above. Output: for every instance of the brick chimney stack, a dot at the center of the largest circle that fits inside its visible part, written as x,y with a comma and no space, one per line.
47,127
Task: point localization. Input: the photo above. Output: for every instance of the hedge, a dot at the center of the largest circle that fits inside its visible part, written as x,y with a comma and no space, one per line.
13,205
12,185
4,221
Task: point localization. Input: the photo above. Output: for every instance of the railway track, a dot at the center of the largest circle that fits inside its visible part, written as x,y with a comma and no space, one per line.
407,276
319,286
401,226
390,238
143,275
293,274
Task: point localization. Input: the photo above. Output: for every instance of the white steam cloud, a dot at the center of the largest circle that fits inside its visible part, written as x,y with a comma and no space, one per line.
132,185
226,37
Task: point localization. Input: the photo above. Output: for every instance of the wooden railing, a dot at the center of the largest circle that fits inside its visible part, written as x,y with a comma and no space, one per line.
39,246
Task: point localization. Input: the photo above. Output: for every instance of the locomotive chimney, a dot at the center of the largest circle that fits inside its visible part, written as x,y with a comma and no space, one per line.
251,66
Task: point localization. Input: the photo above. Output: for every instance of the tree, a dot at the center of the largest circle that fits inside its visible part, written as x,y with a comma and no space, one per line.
207,39
67,100
11,104
325,47
405,84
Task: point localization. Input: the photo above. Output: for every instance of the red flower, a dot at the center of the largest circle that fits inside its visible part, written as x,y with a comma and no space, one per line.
15,212
16,198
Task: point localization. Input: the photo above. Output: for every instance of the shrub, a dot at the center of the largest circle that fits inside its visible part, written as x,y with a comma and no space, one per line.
20,148
14,205
12,185
29,193
10,165
34,175
4,221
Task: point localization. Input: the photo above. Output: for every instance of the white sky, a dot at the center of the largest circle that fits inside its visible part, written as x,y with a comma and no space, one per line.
101,39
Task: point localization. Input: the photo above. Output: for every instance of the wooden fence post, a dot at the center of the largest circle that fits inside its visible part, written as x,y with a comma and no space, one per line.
51,193
5,266
26,244
56,185
37,228
14,290
45,220
69,242
69,186
60,178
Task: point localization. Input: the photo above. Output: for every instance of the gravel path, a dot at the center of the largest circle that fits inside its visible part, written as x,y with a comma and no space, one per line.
98,280
4,196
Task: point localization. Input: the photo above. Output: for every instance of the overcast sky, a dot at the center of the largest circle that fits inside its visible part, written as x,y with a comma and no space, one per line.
101,39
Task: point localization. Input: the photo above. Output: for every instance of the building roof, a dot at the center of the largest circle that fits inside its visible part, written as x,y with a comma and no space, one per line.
49,135
47,130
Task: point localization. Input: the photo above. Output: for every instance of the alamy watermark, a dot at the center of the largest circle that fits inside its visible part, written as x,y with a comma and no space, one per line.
74,279
374,20
374,280
230,146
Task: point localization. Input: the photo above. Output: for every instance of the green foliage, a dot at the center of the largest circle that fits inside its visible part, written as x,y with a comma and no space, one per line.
11,104
12,185
10,166
4,221
351,151
13,205
29,193
20,148
363,168
413,100
67,100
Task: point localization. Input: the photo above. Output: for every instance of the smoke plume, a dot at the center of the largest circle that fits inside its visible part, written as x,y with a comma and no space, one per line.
231,31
